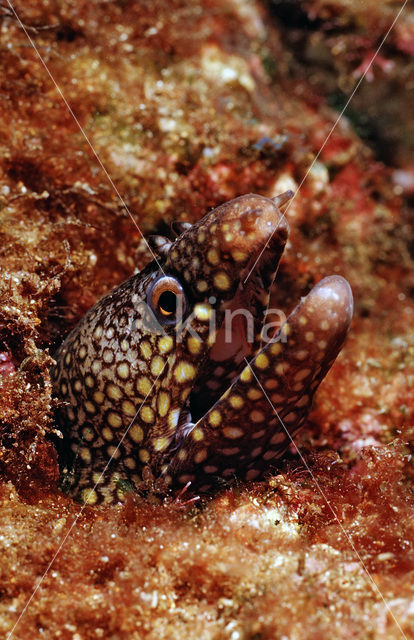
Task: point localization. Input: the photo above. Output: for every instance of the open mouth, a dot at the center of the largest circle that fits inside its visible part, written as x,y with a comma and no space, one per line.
247,425
240,335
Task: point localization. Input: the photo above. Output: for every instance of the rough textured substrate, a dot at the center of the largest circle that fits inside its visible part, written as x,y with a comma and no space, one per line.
187,105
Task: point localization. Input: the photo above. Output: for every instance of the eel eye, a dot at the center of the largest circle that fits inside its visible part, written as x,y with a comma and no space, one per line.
167,299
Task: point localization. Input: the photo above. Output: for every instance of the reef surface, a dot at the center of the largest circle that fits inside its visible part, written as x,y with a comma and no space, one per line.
188,104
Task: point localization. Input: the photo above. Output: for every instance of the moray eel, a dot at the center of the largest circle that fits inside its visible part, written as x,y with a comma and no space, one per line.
170,378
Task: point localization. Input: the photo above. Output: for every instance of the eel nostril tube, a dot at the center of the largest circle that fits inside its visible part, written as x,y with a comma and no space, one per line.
283,198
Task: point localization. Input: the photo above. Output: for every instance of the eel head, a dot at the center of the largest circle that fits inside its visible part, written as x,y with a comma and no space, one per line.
178,376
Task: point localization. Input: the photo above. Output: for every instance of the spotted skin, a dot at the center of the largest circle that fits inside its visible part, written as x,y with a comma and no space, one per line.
152,391
251,425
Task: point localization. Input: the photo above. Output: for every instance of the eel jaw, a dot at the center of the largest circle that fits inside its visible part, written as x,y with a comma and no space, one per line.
239,336
250,426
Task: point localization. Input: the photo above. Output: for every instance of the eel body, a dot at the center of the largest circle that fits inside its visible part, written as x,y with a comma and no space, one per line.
178,375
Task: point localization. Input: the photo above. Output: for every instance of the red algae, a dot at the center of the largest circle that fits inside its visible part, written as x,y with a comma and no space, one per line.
334,43
188,105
